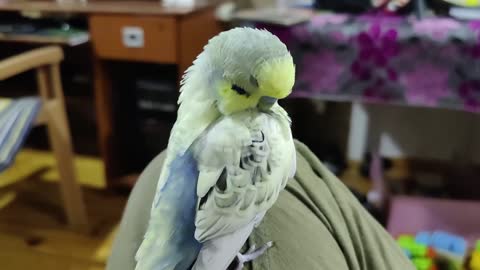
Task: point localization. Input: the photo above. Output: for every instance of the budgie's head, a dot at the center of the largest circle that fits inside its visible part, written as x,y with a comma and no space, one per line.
246,69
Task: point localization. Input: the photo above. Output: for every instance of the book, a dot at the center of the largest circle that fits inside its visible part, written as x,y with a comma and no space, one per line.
22,33
72,37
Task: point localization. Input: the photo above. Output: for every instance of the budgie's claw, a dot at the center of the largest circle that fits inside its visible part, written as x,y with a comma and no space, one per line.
251,255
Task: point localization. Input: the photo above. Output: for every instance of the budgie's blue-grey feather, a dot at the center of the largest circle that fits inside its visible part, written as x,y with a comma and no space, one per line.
178,248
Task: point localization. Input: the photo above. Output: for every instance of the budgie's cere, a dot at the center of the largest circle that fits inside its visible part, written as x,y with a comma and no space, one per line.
230,154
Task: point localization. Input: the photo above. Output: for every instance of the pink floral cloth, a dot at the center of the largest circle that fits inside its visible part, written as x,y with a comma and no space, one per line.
434,62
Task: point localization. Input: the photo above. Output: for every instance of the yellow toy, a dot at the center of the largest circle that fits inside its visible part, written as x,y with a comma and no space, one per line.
475,261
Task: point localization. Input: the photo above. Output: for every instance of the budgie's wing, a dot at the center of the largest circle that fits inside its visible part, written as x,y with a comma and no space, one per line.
169,243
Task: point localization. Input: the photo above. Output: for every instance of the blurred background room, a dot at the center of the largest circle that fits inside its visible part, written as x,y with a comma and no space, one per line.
387,95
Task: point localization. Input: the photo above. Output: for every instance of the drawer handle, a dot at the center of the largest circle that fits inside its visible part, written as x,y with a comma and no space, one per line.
133,37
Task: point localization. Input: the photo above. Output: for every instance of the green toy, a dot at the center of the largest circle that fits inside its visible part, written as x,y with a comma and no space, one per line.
425,257
407,242
423,263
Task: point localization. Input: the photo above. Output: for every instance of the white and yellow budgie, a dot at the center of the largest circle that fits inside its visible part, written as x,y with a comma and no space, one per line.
229,155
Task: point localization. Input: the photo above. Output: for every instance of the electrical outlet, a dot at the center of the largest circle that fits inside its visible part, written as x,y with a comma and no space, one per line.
133,37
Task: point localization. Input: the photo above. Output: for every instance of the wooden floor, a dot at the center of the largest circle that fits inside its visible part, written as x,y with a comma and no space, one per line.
33,234
352,177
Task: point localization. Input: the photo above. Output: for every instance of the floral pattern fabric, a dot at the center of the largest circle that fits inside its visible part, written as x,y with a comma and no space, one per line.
434,62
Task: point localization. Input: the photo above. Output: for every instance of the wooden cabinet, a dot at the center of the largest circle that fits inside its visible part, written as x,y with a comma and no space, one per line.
134,38
122,32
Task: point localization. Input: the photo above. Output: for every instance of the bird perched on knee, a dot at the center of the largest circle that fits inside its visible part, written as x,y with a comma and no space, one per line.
229,155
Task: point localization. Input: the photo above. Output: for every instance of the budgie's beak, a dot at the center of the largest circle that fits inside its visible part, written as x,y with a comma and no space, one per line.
266,103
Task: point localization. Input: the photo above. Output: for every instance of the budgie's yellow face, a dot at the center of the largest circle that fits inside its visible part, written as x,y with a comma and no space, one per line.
271,81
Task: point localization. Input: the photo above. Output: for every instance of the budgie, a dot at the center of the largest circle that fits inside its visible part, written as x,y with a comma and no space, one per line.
229,155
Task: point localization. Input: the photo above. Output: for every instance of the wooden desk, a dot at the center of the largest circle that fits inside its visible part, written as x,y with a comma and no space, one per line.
102,7
171,36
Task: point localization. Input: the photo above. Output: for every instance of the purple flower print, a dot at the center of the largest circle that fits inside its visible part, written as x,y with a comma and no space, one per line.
302,34
426,84
473,50
469,92
472,105
285,34
361,71
449,51
387,21
378,92
338,37
329,25
474,25
375,48
436,28
323,71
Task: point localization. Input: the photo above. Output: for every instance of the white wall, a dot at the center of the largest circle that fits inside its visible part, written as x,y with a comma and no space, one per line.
415,132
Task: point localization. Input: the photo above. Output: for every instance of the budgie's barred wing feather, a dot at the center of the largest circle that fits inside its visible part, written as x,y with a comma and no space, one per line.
244,162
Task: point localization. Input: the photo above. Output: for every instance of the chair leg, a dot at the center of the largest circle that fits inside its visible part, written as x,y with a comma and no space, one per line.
60,141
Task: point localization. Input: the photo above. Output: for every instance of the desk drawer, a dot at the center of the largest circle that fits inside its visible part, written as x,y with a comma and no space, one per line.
149,39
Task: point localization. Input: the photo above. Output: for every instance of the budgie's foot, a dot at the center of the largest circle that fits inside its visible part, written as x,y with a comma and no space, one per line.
251,255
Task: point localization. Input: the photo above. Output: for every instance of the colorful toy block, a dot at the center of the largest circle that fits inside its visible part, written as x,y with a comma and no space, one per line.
475,261
405,240
431,253
449,242
441,240
458,245
437,250
424,238
423,263
414,249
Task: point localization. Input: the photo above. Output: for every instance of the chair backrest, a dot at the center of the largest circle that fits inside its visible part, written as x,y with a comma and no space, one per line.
46,62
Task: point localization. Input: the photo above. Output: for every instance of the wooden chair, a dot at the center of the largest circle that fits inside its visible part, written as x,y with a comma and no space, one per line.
46,63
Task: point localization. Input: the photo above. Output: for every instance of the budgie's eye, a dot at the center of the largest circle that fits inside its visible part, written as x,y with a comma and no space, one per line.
240,90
